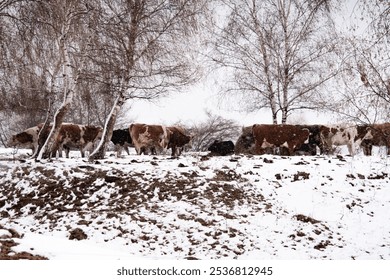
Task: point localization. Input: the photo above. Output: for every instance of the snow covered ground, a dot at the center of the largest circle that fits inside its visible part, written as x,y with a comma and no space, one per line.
196,207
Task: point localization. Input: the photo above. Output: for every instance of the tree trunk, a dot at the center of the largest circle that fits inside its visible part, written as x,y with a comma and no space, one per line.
69,89
285,106
274,110
284,115
100,150
51,144
42,136
70,78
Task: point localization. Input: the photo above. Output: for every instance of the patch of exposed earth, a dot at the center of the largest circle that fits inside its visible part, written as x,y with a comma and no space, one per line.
8,240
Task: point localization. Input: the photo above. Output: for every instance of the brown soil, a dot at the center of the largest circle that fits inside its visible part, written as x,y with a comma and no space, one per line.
6,248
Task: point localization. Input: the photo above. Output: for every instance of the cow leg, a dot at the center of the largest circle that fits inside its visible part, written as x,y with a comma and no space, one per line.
142,150
34,148
67,150
364,149
312,149
139,149
126,147
174,151
351,149
58,152
290,149
328,150
89,147
367,147
53,153
262,151
118,149
322,149
284,151
327,147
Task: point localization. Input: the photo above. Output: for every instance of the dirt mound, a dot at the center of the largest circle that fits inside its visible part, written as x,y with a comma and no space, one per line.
195,208
7,242
86,194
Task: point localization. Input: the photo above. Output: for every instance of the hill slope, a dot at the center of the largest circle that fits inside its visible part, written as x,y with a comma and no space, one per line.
197,207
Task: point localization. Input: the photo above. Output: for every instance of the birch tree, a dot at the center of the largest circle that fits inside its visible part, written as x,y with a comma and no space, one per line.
45,55
144,51
62,24
278,53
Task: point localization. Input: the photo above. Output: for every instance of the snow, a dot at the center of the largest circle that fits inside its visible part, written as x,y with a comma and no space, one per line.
196,206
60,248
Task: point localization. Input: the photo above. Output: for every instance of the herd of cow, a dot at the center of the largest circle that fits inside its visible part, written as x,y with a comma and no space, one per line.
257,139
145,138
309,139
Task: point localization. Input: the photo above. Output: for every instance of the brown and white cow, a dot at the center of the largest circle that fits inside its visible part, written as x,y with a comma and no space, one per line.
379,135
286,137
27,139
70,136
178,140
78,136
149,138
339,135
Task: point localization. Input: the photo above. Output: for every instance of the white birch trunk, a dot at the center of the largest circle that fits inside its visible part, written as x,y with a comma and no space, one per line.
101,149
69,86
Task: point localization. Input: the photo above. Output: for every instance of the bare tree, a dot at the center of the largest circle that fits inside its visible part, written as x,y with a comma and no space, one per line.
65,21
214,128
44,57
372,54
23,87
95,54
278,53
363,90
144,51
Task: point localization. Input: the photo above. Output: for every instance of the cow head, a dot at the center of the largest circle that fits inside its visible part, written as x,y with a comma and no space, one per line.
21,139
245,143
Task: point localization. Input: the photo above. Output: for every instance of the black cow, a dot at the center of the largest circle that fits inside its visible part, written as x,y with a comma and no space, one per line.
121,139
222,148
314,141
